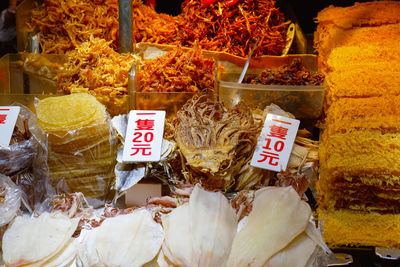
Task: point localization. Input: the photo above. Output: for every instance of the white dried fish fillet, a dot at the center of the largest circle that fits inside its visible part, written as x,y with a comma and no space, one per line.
277,217
37,240
296,254
213,224
200,233
65,258
177,246
127,240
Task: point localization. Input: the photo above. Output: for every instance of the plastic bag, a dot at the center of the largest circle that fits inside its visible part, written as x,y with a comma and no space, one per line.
25,159
10,199
81,145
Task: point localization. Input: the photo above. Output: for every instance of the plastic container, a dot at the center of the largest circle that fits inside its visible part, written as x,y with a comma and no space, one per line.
304,102
170,102
14,79
24,84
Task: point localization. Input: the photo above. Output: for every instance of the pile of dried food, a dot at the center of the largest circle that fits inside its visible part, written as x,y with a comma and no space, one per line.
226,26
215,142
214,147
202,231
177,71
291,74
63,25
231,26
95,68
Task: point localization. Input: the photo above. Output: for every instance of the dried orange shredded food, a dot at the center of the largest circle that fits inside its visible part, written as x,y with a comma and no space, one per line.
95,68
230,26
178,71
64,24
226,26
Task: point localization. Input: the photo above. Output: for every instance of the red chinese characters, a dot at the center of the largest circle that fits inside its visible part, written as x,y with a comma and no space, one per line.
143,135
3,118
274,144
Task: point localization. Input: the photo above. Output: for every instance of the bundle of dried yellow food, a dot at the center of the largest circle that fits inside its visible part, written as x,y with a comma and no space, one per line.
81,144
95,68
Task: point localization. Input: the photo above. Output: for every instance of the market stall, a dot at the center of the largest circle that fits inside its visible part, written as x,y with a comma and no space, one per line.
215,137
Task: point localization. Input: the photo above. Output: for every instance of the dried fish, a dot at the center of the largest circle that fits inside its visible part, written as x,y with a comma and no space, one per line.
135,236
44,240
200,233
277,217
215,142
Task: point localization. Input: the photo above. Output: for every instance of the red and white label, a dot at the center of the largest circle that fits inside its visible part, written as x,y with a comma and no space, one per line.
275,143
144,136
8,118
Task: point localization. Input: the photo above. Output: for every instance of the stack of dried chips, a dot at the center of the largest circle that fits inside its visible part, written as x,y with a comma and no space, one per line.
81,145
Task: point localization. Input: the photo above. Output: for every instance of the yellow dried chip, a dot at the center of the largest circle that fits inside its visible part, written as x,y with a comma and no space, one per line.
69,112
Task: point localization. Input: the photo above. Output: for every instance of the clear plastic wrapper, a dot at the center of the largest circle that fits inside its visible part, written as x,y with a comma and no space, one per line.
82,145
217,162
25,159
10,199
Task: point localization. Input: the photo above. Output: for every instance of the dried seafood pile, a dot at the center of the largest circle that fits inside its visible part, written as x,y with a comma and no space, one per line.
178,71
203,231
65,24
292,74
215,146
230,26
94,67
215,142
227,26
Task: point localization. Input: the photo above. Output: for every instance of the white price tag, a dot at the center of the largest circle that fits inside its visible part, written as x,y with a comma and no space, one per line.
275,143
8,118
144,136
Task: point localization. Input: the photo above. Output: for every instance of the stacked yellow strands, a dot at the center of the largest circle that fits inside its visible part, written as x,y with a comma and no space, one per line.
359,185
81,146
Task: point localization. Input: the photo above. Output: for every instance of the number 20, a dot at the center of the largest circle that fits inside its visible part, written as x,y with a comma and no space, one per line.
148,137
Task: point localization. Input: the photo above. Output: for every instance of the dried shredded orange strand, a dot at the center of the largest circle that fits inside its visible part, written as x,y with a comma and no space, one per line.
95,68
231,29
178,71
64,24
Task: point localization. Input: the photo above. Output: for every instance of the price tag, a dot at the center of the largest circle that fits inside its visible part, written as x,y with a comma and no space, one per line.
275,143
144,135
8,118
